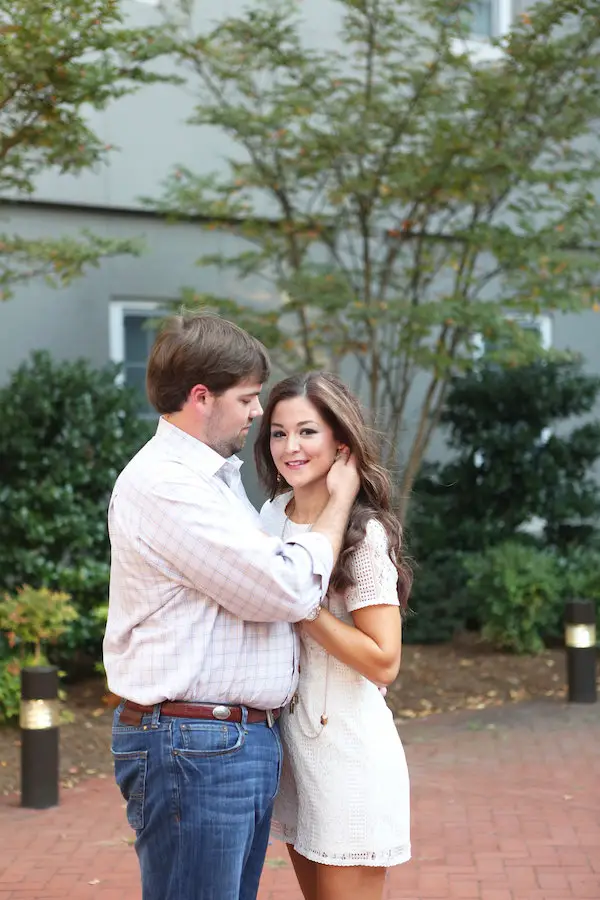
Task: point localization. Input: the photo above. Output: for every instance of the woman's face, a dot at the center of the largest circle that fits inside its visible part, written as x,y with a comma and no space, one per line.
303,446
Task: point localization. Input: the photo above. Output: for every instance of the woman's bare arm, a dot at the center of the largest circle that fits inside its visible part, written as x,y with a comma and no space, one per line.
373,647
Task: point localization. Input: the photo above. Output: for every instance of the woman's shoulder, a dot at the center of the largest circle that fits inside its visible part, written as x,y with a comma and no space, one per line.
375,534
277,503
273,512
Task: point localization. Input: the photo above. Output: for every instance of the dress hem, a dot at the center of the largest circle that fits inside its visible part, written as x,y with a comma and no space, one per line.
397,859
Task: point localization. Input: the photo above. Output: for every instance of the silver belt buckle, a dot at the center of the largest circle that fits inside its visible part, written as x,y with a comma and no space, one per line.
270,718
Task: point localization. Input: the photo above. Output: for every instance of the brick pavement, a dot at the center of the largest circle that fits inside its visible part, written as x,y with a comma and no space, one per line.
506,806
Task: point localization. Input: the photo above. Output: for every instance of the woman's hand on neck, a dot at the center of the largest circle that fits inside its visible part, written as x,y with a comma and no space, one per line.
308,503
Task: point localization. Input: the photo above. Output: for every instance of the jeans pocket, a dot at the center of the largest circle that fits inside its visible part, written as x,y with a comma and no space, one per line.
206,739
130,774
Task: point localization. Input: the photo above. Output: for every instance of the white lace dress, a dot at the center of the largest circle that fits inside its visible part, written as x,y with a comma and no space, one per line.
344,795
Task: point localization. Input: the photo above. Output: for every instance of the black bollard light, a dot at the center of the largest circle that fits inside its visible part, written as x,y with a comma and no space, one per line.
39,720
580,644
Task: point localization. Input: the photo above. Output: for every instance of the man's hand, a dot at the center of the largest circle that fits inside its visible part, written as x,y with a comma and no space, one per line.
343,481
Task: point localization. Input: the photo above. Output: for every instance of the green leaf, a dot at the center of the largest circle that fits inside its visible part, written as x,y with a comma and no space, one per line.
57,61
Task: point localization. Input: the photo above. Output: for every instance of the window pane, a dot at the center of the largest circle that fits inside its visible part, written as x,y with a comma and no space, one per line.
531,326
135,377
481,18
490,346
138,338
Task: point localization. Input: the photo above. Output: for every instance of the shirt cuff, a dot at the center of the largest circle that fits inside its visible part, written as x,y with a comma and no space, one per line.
321,553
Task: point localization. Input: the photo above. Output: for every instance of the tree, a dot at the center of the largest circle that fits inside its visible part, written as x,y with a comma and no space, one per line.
515,460
398,197
58,59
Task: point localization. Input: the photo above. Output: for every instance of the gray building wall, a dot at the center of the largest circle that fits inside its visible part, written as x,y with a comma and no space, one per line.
78,321
149,128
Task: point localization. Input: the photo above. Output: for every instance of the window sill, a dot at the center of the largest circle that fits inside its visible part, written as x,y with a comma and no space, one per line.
479,49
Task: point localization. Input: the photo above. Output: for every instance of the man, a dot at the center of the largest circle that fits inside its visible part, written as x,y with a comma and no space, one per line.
199,641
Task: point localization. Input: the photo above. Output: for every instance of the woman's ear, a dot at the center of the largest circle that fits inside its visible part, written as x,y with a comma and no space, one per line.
342,448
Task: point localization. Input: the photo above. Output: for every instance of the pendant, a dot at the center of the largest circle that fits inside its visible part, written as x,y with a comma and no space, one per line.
324,719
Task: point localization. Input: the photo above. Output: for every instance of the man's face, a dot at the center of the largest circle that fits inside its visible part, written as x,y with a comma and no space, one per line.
231,416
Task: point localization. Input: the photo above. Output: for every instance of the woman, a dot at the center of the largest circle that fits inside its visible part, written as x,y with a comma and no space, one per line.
343,805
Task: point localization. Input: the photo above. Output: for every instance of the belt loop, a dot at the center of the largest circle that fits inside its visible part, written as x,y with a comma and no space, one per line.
270,718
156,715
244,722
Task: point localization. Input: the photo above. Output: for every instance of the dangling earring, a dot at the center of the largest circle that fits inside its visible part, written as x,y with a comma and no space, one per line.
279,478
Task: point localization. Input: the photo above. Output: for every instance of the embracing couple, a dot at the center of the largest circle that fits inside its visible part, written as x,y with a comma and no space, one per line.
250,649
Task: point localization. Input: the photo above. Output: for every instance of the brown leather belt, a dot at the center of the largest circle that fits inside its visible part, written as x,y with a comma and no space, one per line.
132,713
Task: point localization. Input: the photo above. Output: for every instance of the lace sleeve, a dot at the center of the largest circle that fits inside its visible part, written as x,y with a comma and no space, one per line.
375,573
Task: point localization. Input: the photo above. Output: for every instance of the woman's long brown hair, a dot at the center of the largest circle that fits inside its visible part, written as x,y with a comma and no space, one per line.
341,410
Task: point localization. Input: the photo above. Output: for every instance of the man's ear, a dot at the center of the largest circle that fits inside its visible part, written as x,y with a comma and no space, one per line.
199,394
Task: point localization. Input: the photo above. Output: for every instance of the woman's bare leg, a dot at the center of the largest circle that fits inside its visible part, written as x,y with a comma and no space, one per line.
306,873
349,882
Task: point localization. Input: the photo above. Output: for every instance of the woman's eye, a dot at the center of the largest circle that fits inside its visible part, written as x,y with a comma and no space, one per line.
308,431
276,434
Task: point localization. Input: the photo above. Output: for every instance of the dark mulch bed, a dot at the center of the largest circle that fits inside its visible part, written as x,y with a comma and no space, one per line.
465,674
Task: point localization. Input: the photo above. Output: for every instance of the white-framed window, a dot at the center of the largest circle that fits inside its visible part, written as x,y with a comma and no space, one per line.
542,325
130,337
487,19
490,18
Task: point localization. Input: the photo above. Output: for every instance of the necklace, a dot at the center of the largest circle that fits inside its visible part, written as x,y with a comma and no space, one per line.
295,701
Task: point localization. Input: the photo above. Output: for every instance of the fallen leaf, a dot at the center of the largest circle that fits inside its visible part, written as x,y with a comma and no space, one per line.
517,695
277,862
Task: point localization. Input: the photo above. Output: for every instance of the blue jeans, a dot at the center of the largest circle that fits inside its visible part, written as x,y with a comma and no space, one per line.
200,797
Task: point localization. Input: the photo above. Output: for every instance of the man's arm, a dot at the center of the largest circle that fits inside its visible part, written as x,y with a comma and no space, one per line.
195,536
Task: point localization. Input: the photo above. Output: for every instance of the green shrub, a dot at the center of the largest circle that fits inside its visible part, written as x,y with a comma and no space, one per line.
510,463
10,689
439,600
30,620
580,579
518,591
66,430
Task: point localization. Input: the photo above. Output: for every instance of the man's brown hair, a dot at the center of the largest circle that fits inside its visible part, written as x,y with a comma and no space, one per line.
200,348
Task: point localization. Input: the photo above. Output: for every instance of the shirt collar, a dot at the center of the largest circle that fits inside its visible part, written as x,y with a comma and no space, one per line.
194,452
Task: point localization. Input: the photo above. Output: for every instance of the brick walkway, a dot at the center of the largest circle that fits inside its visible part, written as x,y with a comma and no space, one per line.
506,806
